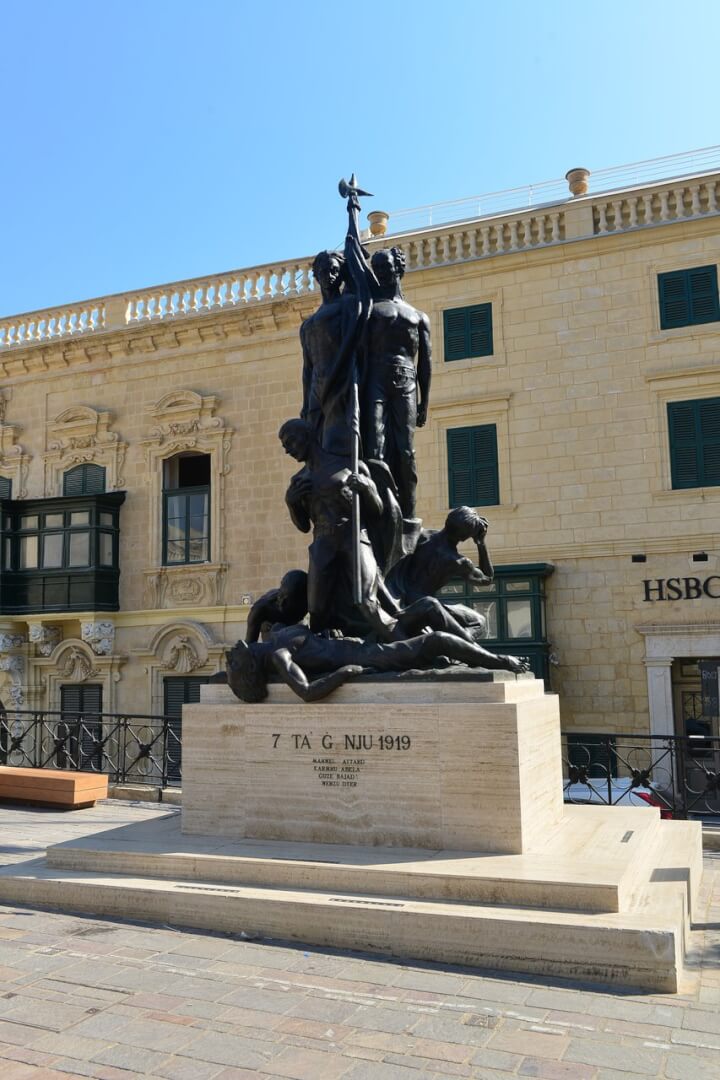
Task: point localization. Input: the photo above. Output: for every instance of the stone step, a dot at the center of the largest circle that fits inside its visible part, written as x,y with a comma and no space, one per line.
643,948
589,864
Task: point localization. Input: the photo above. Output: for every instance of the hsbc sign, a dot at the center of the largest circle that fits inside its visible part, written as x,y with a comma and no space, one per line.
682,588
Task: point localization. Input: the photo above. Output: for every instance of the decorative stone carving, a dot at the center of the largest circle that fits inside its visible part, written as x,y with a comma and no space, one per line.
15,667
77,667
182,656
81,434
185,590
100,636
184,421
45,638
185,586
179,648
10,641
73,660
14,462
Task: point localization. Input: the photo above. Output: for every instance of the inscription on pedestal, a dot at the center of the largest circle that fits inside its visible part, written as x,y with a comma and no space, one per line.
339,772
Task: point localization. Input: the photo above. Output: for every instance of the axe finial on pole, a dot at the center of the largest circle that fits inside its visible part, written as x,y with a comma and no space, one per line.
350,191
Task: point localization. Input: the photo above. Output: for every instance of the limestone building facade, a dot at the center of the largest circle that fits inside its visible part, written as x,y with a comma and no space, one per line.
575,401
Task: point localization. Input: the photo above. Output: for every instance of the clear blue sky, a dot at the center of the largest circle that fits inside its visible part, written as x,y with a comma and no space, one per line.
149,141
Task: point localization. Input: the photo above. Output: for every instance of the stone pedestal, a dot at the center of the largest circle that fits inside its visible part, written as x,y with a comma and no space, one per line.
370,767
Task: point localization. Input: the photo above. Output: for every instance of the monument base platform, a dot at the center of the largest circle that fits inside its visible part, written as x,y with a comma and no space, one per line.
418,819
609,898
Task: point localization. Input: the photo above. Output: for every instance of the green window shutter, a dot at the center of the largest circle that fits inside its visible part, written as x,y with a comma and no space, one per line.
178,692
480,330
694,429
454,327
86,479
5,488
703,290
85,702
709,415
684,463
468,332
674,300
688,297
473,466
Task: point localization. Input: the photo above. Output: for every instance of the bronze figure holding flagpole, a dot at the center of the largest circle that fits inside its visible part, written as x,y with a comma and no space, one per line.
360,281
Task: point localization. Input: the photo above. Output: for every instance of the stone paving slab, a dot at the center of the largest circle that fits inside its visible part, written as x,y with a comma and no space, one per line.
112,1000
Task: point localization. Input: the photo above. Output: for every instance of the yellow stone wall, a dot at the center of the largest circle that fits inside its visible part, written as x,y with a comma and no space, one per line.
577,386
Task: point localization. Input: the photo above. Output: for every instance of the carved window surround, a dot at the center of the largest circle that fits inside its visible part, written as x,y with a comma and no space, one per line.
78,435
73,661
458,409
185,421
673,384
184,647
14,462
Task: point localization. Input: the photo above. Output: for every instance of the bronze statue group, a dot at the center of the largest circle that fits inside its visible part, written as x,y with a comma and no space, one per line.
372,569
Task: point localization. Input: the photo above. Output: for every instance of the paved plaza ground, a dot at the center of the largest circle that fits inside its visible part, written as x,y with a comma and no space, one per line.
89,997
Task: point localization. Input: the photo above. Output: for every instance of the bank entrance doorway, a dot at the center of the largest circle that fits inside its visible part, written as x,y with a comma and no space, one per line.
696,708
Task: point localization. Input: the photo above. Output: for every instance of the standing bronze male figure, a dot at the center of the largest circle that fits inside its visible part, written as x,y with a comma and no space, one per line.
395,395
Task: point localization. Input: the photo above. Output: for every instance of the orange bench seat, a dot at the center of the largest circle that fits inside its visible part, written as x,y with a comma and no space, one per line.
73,790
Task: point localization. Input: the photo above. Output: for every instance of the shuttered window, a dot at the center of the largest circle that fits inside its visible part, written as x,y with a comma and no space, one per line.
178,692
5,488
79,733
88,479
468,332
688,297
694,429
473,466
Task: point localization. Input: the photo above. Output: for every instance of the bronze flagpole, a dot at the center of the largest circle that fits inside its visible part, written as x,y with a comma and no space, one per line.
361,275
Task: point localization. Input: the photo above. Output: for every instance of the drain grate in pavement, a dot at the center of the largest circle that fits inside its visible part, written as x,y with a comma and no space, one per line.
370,903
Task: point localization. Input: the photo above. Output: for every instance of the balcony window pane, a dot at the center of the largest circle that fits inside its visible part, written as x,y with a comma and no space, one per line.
519,619
29,522
8,553
198,527
197,551
28,552
175,551
455,588
80,517
488,608
79,549
517,586
198,504
176,506
107,519
106,549
483,589
53,521
52,550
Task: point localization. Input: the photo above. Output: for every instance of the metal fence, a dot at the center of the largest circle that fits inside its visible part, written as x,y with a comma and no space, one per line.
132,749
678,774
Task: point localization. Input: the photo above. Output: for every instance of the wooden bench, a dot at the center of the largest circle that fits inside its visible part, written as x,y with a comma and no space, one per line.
72,790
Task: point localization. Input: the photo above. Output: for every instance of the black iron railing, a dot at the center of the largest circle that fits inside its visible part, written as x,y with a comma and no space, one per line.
131,749
678,774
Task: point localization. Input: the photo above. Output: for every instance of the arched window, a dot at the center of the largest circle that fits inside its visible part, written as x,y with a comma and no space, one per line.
186,509
88,479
